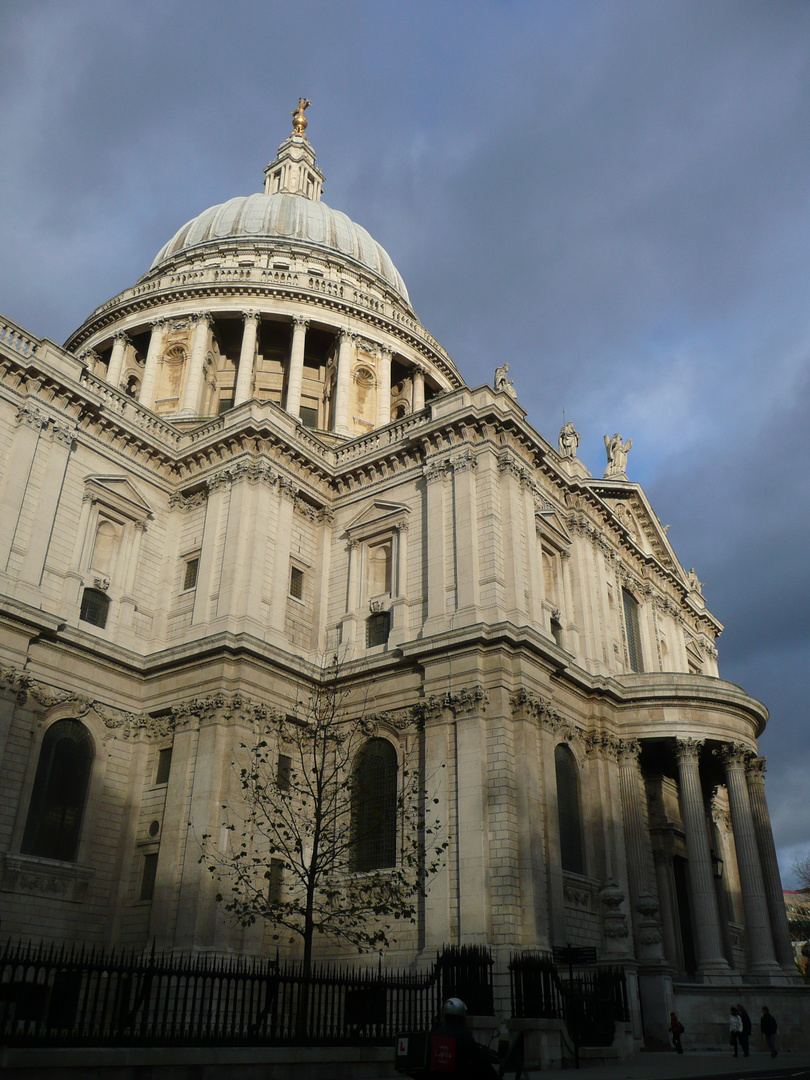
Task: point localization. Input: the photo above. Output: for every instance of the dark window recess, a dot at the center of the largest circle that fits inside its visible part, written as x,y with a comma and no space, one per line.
374,807
225,403
283,771
95,607
59,796
296,582
275,880
568,810
190,575
148,876
164,765
378,627
631,625
309,416
556,631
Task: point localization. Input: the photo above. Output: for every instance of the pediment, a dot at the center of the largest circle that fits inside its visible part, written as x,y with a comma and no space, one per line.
118,493
551,528
378,516
631,509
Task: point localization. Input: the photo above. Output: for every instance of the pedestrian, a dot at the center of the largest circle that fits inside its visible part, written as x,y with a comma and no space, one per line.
747,1026
767,1026
734,1030
676,1029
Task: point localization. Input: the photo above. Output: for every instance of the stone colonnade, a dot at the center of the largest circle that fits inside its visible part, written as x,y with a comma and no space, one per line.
769,955
194,389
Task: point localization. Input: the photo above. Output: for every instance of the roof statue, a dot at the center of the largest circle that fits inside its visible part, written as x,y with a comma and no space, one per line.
502,382
616,457
299,120
568,441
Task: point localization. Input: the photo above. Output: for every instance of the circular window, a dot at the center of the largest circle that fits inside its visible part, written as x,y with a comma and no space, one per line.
154,828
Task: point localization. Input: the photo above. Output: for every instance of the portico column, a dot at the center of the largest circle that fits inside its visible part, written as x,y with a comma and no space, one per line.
762,959
384,389
156,340
342,381
119,351
755,775
296,376
247,358
706,917
642,901
418,388
196,366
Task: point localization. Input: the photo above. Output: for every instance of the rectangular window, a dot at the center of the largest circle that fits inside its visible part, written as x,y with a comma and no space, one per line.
309,416
148,876
275,880
190,573
378,627
95,608
296,582
556,631
283,771
164,765
631,625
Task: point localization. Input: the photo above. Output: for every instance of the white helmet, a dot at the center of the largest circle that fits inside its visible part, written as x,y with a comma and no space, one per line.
454,1007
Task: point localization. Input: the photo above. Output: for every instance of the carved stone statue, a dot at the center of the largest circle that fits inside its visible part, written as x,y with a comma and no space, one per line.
694,583
501,381
616,456
568,441
299,120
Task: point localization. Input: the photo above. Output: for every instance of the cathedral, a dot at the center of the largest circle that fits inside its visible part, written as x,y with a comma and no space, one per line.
256,457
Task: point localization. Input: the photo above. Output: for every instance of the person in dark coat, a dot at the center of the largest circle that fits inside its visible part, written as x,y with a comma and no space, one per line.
734,1029
676,1030
745,1034
454,1051
767,1026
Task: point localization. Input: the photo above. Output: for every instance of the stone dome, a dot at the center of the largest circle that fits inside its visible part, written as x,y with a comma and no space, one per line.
285,217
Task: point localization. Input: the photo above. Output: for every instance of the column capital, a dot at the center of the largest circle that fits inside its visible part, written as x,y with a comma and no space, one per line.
755,770
122,335
733,755
300,320
418,369
158,322
628,752
250,315
688,749
348,335
203,317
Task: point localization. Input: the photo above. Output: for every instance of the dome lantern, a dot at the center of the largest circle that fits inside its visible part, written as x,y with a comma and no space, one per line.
293,171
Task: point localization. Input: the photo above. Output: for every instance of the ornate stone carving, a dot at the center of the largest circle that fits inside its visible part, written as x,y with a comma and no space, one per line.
188,502
616,457
600,744
460,703
688,749
502,382
734,755
463,462
526,706
568,441
434,471
614,921
101,583
30,415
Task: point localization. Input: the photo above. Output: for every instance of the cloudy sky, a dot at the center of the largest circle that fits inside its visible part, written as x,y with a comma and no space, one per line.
614,197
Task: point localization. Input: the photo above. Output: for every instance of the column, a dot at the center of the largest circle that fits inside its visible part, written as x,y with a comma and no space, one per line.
247,358
472,831
296,374
384,389
433,563
195,378
642,902
418,388
761,957
556,893
146,396
342,383
755,775
50,492
399,587
281,557
205,575
466,532
119,351
31,426
708,941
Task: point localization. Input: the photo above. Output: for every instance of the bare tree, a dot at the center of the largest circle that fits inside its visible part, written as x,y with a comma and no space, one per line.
801,868
327,844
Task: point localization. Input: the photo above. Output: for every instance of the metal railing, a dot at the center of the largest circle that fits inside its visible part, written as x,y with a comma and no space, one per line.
81,997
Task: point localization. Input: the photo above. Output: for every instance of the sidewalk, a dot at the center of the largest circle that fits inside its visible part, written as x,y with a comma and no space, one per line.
667,1064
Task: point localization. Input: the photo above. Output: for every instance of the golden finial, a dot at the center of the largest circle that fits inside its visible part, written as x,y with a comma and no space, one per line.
299,120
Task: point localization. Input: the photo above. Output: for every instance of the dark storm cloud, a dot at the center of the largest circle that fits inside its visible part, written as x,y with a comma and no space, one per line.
612,197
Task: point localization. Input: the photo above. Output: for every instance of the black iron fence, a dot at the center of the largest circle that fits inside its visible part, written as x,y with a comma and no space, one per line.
80,997
589,1000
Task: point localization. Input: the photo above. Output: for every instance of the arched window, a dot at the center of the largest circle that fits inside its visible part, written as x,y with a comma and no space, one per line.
631,626
95,607
374,807
60,792
568,810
